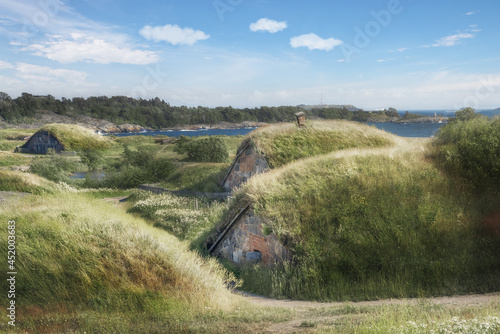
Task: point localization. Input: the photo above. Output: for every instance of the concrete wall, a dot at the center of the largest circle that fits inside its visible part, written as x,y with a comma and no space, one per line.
246,242
248,163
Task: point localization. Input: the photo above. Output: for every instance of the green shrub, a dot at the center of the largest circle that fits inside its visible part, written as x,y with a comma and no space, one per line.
470,150
92,158
211,149
55,168
137,167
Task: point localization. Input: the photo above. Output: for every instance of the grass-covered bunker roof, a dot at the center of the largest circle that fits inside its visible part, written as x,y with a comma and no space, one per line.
285,142
73,137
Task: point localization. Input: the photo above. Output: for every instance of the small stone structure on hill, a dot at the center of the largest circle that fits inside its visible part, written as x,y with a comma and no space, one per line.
244,240
40,142
248,162
63,138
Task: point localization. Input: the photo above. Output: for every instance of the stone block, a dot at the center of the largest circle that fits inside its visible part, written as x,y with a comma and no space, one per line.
253,256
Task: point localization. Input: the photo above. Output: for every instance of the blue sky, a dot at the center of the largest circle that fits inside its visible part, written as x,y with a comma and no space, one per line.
408,54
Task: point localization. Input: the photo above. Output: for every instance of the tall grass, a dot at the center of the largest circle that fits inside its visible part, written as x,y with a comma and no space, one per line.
284,143
12,159
201,177
26,182
372,223
80,255
187,218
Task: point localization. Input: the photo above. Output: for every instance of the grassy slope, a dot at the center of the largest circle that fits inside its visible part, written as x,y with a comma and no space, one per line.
372,223
77,254
25,182
285,142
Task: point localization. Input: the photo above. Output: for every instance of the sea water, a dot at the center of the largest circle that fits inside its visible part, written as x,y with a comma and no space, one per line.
399,129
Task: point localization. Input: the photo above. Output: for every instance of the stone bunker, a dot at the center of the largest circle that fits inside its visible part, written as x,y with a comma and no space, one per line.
63,138
244,239
40,143
248,162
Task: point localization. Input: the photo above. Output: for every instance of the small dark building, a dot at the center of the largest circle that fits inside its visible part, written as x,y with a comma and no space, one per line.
40,142
301,118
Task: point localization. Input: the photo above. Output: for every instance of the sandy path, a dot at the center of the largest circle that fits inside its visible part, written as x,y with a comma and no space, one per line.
304,311
453,300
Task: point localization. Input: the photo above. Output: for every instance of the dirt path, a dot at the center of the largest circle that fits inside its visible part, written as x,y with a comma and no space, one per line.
317,316
453,300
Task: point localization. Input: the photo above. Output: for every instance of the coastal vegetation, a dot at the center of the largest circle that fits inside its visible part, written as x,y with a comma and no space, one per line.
211,149
369,223
367,214
157,113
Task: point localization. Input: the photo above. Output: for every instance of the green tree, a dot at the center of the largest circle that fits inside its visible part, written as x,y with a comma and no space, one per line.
465,114
92,158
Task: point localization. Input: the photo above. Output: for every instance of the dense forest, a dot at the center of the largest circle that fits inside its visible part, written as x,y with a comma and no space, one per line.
157,113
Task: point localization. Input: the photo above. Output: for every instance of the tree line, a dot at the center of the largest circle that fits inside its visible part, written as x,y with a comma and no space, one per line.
156,113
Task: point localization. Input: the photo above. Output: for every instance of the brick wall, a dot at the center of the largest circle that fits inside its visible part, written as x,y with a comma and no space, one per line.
247,164
246,242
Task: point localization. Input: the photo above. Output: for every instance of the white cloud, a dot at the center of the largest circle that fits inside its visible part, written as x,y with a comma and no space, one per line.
268,25
90,49
44,73
474,28
4,65
472,13
384,60
54,30
314,42
453,39
173,34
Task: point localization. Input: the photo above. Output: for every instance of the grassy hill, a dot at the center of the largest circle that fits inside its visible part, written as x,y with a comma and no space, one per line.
86,265
367,223
76,138
285,142
81,259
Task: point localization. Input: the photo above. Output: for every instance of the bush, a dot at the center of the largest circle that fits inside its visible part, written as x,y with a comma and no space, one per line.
138,166
92,158
56,168
470,149
211,149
